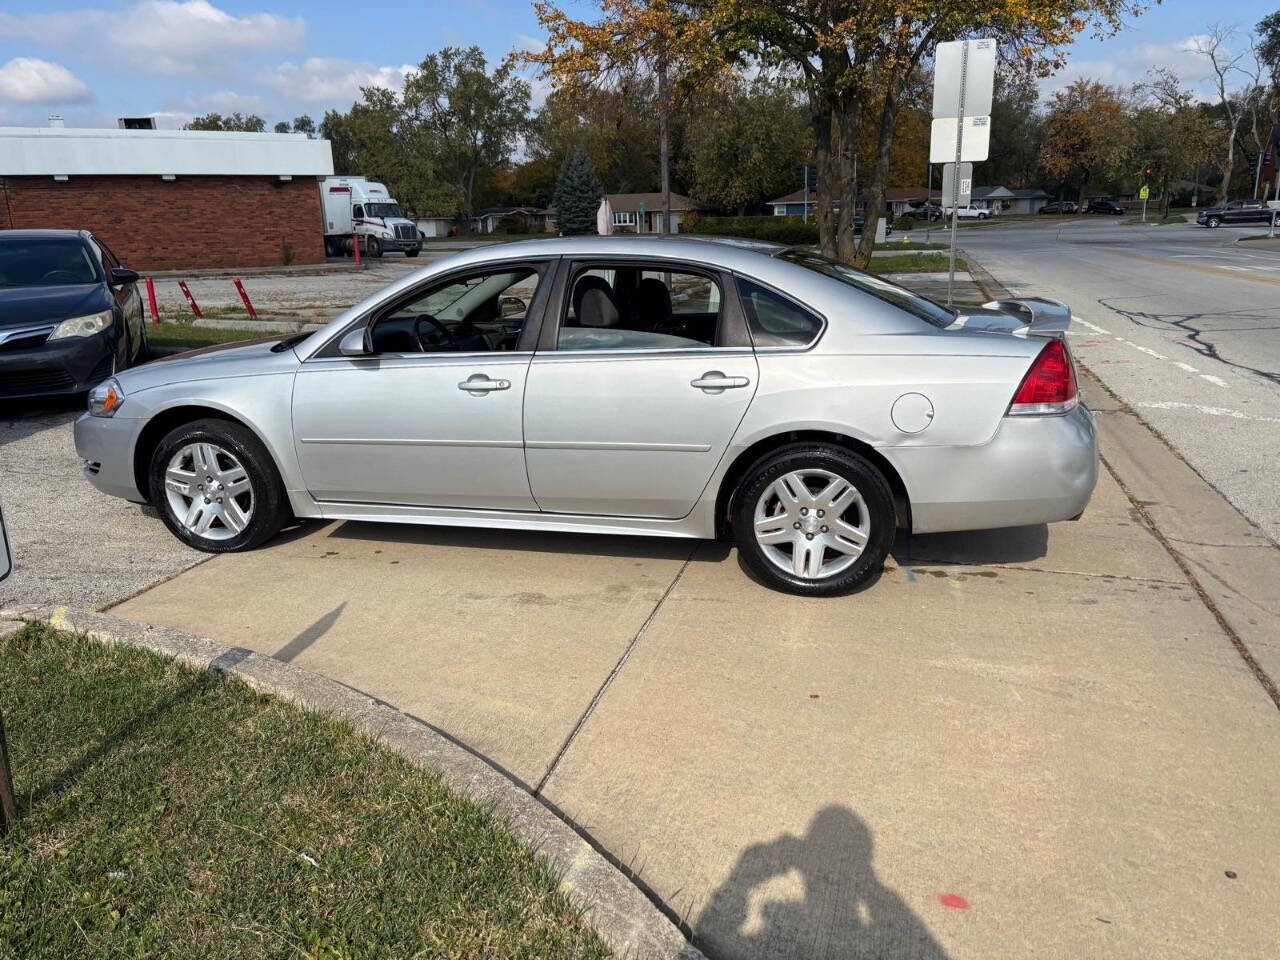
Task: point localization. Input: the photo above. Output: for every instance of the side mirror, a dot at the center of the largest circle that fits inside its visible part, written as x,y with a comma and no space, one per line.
514,307
353,343
122,275
6,558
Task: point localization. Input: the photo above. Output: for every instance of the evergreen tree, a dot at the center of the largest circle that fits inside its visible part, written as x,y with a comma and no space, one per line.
578,194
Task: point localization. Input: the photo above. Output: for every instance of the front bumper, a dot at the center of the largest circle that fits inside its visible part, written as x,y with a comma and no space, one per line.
1034,470
106,445
57,367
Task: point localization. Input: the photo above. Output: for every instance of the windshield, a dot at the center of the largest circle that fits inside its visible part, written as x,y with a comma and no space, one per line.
45,262
382,210
900,297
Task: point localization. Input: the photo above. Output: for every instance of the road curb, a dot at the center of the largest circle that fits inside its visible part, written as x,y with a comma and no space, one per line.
629,922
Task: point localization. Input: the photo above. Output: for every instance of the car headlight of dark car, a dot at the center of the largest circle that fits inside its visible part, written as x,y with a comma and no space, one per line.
85,326
105,398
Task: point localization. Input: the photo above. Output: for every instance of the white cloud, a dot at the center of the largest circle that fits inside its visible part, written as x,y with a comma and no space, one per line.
1131,64
28,80
332,81
162,36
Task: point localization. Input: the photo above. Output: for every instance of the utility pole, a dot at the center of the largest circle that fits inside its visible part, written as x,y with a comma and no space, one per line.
955,201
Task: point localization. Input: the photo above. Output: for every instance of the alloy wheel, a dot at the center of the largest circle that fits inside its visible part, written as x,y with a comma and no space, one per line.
812,523
209,491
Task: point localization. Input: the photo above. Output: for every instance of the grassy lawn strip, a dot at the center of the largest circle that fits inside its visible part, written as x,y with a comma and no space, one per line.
188,337
1153,220
915,263
172,813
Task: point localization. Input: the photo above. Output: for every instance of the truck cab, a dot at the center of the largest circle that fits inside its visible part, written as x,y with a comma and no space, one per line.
363,211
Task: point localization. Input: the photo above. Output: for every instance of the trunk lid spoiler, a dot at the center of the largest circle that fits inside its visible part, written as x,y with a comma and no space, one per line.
1021,317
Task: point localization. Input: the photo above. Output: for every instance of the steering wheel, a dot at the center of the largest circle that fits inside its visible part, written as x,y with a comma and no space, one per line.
56,276
445,331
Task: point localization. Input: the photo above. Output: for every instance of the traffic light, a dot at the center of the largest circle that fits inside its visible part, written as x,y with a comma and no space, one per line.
1147,173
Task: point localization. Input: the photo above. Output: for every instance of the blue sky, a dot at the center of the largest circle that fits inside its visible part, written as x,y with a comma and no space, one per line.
92,61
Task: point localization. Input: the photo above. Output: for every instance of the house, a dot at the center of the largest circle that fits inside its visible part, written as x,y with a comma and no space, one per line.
1027,200
794,203
642,212
436,225
995,199
900,200
171,199
519,220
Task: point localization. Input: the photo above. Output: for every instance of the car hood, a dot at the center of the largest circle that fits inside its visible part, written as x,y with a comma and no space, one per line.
243,359
21,306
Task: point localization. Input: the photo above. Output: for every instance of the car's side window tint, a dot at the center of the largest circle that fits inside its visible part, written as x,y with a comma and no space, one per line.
774,320
477,312
640,307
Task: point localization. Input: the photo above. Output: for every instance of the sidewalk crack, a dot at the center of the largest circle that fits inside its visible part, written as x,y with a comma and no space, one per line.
617,668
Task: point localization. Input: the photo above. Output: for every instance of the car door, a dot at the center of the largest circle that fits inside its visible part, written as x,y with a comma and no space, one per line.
431,415
643,373
126,295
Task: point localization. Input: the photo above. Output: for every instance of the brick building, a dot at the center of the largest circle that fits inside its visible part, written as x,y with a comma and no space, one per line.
171,199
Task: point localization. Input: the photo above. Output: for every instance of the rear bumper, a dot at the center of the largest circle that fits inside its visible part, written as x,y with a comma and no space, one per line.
57,367
1035,470
105,444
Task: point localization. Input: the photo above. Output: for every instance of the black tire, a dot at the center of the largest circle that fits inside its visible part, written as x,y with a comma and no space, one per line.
270,503
374,248
877,498
411,253
1213,223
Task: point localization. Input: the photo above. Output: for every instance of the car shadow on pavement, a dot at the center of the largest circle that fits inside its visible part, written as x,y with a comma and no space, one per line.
973,548
539,541
843,911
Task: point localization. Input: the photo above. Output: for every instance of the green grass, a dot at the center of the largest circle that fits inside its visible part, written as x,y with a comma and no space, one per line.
899,245
171,813
187,336
915,263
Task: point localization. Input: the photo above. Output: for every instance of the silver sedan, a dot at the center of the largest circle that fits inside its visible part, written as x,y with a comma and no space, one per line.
652,386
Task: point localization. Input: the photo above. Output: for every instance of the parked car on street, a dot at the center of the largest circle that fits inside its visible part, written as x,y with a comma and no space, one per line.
926,211
1109,207
620,385
968,212
1059,206
70,313
1235,211
858,221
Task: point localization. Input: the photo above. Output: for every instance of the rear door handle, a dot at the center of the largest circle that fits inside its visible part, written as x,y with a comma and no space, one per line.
478,384
714,381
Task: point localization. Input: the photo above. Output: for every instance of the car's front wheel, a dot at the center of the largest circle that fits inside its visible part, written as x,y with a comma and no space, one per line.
216,487
1213,222
814,519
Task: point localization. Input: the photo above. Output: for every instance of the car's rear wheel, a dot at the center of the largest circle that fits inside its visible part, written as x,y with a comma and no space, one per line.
1213,222
814,519
216,487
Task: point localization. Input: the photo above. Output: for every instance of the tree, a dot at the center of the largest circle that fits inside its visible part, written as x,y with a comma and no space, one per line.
281,126
578,195
1017,130
304,124
474,118
847,53
744,144
1085,134
232,122
635,42
1170,132
1236,104
1268,46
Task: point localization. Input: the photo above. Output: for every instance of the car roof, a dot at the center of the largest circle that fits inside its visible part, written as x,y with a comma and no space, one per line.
34,232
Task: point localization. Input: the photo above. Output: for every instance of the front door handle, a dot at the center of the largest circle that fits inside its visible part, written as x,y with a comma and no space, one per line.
713,381
478,384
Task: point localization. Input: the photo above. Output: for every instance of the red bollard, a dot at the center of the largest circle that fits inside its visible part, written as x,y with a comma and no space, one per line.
151,299
195,307
355,247
245,297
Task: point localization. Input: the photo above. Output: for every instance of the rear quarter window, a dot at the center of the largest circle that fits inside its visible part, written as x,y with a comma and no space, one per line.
774,320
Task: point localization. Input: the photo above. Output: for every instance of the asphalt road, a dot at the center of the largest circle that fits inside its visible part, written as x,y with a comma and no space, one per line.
1181,322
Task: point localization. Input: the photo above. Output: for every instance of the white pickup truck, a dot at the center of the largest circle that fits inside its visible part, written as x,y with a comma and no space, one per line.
967,212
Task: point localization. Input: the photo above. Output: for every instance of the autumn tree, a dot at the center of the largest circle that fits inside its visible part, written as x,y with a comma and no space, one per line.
846,53
1171,132
1085,134
744,143
635,41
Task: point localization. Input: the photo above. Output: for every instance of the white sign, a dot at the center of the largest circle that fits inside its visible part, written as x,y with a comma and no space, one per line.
979,78
6,559
949,185
976,145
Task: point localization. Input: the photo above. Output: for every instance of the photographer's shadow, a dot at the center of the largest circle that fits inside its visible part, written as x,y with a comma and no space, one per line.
845,911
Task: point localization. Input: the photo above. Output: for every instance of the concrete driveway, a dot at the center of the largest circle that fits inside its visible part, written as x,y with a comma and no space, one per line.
1031,743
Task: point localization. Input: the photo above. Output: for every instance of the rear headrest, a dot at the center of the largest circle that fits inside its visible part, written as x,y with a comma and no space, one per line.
598,309
651,304
585,283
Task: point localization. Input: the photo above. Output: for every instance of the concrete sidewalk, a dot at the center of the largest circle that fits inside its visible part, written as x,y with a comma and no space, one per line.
1032,743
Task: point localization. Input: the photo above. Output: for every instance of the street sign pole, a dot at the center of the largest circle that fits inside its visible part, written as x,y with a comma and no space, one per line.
806,193
955,206
928,200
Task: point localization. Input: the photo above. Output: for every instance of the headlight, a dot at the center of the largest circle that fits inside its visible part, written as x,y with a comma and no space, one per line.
82,326
105,398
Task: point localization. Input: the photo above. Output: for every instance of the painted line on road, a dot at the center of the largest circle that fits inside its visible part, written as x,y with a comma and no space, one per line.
1202,408
1238,273
1185,366
1092,326
1147,350
1216,381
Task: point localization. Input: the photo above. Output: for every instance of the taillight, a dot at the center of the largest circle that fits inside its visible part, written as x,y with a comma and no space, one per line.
1049,386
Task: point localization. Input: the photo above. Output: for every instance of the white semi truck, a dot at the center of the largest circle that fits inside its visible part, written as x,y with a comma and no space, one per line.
363,210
